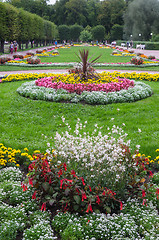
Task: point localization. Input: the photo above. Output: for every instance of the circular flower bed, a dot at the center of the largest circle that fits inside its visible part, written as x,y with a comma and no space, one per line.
52,89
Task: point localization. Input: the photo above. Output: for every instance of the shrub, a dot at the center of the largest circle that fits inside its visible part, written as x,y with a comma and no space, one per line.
137,61
4,59
58,188
33,61
18,56
151,57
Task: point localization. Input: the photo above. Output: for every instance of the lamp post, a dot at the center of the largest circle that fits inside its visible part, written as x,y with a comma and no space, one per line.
151,35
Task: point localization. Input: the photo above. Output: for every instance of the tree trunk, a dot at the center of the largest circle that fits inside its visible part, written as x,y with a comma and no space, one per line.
32,43
19,44
2,46
26,45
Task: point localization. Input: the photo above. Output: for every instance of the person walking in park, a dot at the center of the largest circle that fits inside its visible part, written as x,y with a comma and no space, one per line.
127,44
11,47
15,46
131,44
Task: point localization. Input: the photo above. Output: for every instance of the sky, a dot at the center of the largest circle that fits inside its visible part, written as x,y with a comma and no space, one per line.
52,2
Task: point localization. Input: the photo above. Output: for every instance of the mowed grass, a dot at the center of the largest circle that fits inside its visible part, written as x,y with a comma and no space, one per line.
23,121
69,55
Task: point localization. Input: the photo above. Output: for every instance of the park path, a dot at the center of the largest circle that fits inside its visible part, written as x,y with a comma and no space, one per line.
145,52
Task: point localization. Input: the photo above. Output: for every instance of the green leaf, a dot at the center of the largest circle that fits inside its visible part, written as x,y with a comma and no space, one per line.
108,209
51,190
77,199
51,202
46,186
47,197
67,190
76,207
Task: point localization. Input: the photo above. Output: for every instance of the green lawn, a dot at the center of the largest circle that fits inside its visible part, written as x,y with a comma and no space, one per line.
23,121
69,55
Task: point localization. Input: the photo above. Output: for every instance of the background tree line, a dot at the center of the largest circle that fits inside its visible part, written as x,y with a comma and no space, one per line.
22,26
85,19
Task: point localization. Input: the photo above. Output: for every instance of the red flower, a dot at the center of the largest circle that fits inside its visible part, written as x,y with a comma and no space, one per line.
157,193
90,188
60,172
34,195
50,181
151,174
65,166
89,208
83,181
61,182
98,199
24,187
121,206
84,196
43,207
73,173
144,201
31,181
143,194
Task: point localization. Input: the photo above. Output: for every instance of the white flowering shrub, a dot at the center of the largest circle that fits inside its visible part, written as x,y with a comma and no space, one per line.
100,158
140,91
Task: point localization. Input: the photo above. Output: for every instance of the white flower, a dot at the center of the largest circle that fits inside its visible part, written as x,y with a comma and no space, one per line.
139,130
112,119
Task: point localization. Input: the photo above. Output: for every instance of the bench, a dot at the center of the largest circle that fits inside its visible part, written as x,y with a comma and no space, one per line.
139,46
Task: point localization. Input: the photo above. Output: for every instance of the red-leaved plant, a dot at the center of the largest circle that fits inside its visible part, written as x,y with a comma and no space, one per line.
137,61
59,189
84,68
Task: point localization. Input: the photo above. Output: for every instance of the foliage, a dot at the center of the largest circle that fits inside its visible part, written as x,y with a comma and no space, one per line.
137,61
3,60
85,36
18,56
141,17
33,60
84,69
64,32
116,32
75,31
63,190
98,32
126,225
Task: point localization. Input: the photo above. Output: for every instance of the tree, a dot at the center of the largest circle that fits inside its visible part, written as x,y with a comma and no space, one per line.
75,31
85,36
76,12
64,32
141,18
98,33
116,32
111,13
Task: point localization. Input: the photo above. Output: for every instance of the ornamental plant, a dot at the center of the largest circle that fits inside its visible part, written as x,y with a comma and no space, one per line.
3,60
60,189
78,88
18,56
137,61
84,68
33,60
103,159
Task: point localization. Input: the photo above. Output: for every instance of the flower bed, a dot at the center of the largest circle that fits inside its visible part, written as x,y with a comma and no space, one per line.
140,91
81,87
50,183
107,76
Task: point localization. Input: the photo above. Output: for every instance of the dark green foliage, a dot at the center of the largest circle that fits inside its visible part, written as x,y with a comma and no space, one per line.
98,33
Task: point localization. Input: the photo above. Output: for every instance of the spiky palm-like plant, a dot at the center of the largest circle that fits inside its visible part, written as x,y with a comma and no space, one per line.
84,68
